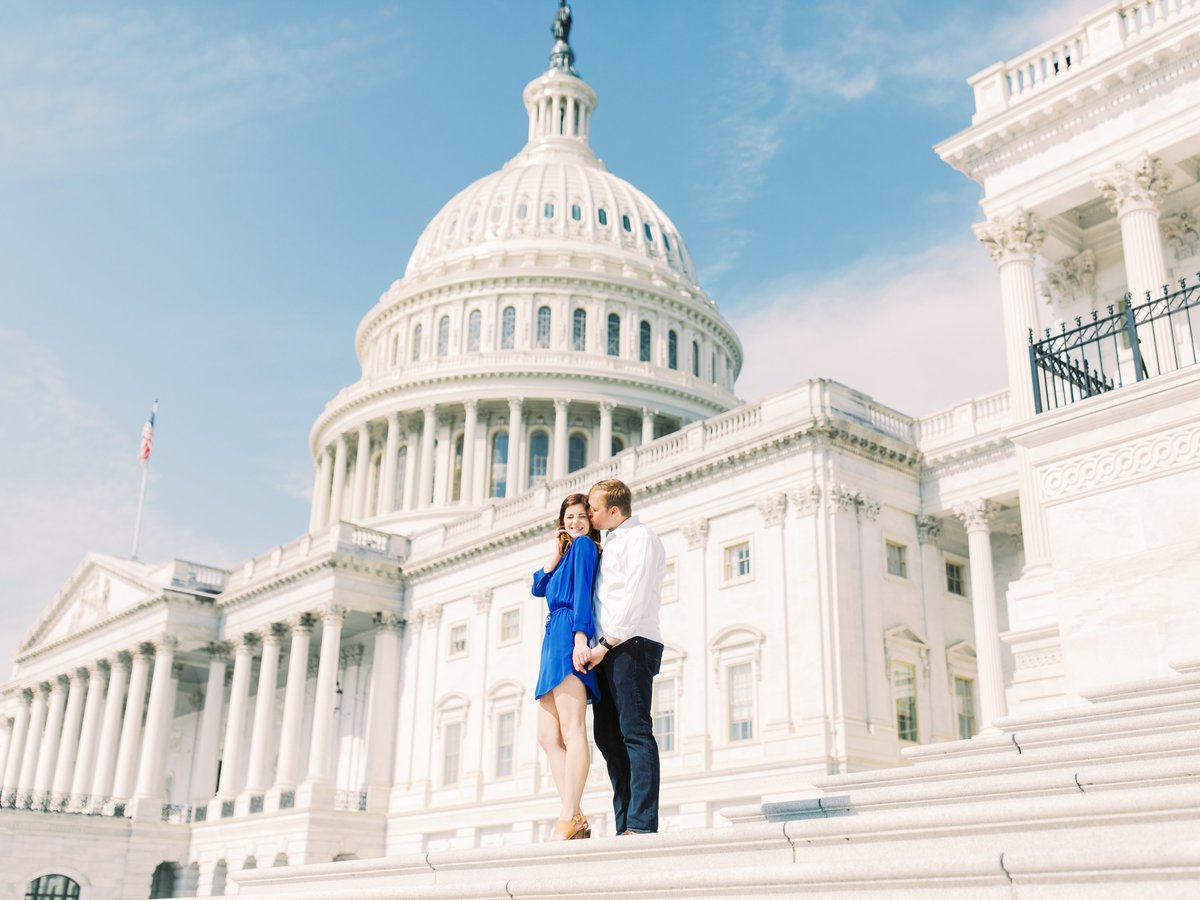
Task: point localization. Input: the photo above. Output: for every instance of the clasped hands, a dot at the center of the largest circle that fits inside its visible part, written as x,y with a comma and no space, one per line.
585,658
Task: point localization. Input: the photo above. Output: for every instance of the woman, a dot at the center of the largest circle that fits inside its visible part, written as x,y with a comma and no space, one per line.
564,686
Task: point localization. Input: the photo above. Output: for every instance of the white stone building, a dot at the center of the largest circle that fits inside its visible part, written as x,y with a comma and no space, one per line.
845,581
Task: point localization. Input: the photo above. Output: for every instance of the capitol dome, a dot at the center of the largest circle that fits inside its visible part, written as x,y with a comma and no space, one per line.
549,319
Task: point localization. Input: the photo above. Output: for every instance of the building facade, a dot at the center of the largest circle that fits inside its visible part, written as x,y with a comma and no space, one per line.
844,581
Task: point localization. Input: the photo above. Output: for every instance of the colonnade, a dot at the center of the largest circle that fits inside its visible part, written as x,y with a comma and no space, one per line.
447,454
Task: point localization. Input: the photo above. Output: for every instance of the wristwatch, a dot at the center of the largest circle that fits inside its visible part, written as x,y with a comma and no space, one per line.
604,643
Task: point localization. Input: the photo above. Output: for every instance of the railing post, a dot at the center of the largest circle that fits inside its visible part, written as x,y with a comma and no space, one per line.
1139,368
1037,390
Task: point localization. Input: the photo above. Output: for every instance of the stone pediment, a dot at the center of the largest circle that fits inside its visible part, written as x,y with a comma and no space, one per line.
100,588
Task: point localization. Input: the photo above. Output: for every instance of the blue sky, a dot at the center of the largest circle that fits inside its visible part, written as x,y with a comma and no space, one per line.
199,202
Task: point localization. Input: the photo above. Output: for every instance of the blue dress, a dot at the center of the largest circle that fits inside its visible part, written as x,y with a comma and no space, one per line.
568,593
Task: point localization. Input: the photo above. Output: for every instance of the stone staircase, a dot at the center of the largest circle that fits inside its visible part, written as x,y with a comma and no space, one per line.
1098,801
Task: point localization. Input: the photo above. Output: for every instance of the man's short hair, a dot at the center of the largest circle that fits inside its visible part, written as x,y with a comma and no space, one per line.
616,493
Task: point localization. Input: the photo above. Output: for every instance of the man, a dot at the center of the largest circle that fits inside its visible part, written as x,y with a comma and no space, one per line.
627,655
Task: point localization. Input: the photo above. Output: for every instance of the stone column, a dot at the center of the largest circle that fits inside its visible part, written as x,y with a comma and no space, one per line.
147,795
381,711
558,459
516,442
64,766
51,735
933,581
977,516
1135,193
322,497
338,489
235,720
204,764
362,462
258,779
287,772
314,512
131,724
89,735
387,467
1013,243
110,728
6,730
466,491
425,480
606,429
16,747
647,426
33,738
412,443
319,755
445,452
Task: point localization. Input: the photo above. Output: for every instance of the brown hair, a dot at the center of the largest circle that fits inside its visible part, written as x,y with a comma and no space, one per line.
564,540
615,493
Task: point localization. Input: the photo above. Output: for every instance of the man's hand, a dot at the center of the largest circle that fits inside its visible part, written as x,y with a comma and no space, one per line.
581,657
597,656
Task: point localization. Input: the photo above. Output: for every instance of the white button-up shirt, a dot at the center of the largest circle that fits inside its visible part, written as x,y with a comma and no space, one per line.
628,592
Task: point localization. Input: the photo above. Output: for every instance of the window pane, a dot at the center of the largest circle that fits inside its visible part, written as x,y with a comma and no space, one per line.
737,561
644,342
539,454
451,751
548,211
626,224
543,327
510,625
579,329
416,345
576,452
662,710
576,212
695,359
602,215
499,463
508,328
444,336
473,328
741,702
956,579
904,694
897,561
614,334
670,585
964,706
506,728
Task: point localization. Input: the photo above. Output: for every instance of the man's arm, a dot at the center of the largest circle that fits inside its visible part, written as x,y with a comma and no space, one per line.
643,559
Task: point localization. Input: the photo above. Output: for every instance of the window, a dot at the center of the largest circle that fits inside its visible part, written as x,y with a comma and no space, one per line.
579,329
672,350
416,345
522,210
473,218
740,688
473,328
646,229
510,625
956,578
617,445
508,328
614,334
396,348
506,742
539,456
456,474
548,210
626,224
897,559
662,710
666,242
499,464
444,336
451,752
52,887
401,464
670,583
904,695
964,706
576,452
162,882
458,641
644,342
543,327
602,215
695,359
712,372
494,215
737,561
576,212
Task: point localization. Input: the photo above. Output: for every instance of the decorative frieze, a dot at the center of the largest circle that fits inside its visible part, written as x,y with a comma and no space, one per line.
1072,280
1018,236
847,499
1115,466
771,508
1140,185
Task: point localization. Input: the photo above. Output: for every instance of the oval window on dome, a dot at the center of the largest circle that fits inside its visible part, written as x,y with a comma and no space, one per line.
473,218
522,211
602,215
576,212
495,214
548,210
626,224
646,229
666,242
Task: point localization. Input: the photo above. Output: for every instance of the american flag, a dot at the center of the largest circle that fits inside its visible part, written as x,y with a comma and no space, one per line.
147,442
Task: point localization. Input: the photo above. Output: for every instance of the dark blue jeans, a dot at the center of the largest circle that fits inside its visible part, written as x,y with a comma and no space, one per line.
624,732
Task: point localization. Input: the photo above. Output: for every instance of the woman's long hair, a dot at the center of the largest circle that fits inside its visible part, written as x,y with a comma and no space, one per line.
564,540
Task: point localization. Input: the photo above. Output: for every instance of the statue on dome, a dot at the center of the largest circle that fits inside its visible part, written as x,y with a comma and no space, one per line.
562,56
562,22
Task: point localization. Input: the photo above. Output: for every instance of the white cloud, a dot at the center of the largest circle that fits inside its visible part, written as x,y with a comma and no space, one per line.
918,333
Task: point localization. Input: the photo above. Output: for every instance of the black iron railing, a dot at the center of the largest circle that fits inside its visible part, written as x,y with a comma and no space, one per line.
1103,353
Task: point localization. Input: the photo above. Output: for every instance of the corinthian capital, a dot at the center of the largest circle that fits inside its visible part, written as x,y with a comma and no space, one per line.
1018,236
1140,185
977,515
695,533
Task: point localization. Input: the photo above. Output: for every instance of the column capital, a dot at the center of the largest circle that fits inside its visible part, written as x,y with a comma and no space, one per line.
607,406
515,403
274,633
165,641
977,515
929,530
470,403
389,622
1142,184
146,650
101,667
218,650
849,499
81,673
333,614
771,508
124,660
61,683
43,688
303,622
483,599
1017,236
560,404
695,533
247,643
804,500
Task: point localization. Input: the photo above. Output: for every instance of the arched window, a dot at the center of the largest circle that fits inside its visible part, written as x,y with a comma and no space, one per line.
602,216
401,467
614,334
473,328
499,464
579,329
456,476
416,347
644,341
672,350
543,328
56,887
444,336
539,456
626,224
508,328
522,210
617,445
576,212
695,359
648,232
548,211
576,452
713,371
396,350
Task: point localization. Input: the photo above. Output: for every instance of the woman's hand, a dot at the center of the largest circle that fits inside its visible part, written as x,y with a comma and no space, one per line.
554,558
581,656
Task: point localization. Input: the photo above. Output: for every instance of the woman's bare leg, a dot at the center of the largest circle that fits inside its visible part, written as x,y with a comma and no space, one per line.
550,739
570,700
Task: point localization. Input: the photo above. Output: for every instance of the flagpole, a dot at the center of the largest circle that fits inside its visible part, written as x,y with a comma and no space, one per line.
137,525
147,443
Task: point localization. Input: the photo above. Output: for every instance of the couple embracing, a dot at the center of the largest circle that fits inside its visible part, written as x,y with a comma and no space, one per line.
602,647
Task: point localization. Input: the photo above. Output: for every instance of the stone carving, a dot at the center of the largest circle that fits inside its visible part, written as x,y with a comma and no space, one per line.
771,508
695,533
483,599
351,656
804,501
389,622
929,530
92,605
333,614
1182,233
1116,465
1072,279
1036,659
1140,185
977,514
1016,237
848,499
218,649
